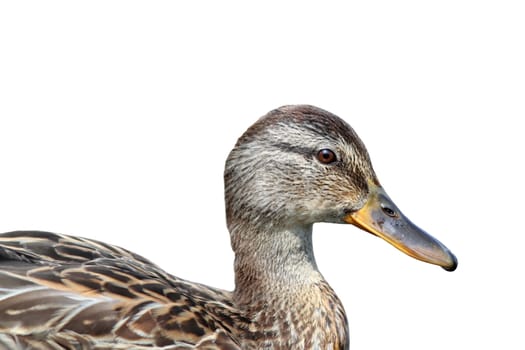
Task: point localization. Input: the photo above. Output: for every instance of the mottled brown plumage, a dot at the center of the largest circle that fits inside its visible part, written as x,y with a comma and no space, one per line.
64,292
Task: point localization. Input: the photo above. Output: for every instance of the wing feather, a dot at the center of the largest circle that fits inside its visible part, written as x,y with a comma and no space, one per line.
62,292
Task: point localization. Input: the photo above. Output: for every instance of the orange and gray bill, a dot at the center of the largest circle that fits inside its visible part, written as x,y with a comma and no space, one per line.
381,217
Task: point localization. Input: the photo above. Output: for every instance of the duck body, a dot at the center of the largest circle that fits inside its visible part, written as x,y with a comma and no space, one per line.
63,292
295,166
68,292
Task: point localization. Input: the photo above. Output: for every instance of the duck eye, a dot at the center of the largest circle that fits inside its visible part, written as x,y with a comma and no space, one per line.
326,156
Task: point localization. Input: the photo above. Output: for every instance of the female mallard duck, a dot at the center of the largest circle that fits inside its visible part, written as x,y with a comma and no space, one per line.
294,167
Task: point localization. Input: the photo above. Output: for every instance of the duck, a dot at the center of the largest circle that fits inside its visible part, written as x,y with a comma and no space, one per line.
295,166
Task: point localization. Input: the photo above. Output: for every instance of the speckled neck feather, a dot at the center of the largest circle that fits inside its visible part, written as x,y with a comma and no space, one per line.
279,287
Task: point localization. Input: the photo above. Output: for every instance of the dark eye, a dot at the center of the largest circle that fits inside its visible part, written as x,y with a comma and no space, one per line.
326,156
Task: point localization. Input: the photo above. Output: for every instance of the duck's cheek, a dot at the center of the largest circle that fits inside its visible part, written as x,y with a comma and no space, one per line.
309,211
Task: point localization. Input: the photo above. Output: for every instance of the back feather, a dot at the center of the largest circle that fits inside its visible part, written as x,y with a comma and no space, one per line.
62,292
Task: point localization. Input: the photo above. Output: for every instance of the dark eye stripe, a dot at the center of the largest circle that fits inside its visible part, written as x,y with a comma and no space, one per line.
295,149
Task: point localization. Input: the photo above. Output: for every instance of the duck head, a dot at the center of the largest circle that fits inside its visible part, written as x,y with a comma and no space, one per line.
299,165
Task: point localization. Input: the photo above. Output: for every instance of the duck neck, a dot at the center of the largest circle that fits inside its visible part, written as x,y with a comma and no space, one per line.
284,296
272,264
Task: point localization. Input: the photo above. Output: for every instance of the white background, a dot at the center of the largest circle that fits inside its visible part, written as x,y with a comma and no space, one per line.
116,118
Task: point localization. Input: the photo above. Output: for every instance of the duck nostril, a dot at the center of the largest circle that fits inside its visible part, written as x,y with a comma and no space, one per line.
389,211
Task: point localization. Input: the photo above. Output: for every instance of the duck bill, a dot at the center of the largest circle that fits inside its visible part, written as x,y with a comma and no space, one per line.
381,217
